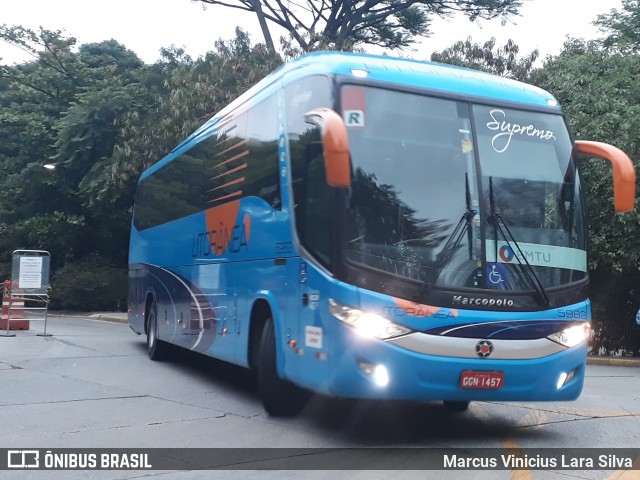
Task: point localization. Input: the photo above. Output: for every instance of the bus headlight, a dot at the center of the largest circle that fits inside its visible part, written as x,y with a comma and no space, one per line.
366,324
572,336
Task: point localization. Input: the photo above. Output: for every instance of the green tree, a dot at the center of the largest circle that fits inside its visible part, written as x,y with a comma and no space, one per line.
339,25
504,61
183,94
622,28
101,116
600,93
62,107
598,84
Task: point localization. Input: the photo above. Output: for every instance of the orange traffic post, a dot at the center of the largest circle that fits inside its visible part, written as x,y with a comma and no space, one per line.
13,316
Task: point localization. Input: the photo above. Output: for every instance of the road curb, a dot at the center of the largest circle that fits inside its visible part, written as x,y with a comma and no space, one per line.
110,317
614,361
117,317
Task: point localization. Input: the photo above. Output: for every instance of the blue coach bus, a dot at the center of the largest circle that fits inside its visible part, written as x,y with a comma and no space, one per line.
371,227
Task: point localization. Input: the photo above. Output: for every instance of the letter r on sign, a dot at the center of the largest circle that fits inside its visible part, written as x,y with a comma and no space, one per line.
354,118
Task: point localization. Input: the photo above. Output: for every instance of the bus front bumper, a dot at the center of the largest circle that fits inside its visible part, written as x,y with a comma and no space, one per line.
376,369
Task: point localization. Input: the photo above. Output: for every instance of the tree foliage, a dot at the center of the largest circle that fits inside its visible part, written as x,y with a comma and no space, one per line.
181,95
622,28
88,284
600,93
344,25
101,116
598,84
504,61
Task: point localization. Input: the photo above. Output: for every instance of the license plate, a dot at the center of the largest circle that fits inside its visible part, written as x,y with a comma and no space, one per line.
486,380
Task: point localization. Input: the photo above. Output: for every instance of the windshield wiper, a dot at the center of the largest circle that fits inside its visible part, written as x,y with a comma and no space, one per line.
526,269
464,225
449,248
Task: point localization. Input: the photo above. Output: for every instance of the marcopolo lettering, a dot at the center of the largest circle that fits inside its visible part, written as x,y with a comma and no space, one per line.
482,302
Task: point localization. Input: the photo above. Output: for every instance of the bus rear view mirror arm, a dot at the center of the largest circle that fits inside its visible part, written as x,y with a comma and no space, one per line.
335,144
624,175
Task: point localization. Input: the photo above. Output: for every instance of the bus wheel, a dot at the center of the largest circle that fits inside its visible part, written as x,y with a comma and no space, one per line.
456,406
156,349
279,397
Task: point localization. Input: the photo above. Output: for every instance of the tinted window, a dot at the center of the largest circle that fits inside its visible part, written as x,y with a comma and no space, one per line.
262,178
312,196
240,159
413,186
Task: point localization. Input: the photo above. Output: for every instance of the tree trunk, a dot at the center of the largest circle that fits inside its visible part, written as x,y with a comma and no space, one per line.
257,6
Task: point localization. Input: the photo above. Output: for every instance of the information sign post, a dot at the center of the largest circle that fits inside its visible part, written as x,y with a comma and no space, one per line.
28,297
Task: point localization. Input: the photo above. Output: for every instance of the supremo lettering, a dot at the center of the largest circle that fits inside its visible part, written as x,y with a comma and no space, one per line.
219,240
501,141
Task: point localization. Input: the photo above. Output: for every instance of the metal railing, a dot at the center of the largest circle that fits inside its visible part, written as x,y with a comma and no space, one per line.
23,308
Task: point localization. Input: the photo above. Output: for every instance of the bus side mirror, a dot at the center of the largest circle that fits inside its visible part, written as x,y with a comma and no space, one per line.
624,175
335,145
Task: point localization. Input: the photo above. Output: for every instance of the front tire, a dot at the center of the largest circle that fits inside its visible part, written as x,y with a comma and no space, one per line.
280,398
156,348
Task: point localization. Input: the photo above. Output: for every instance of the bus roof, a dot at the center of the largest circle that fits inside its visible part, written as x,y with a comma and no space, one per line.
420,74
435,77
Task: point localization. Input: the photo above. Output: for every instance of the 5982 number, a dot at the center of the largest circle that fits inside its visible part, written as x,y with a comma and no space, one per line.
577,314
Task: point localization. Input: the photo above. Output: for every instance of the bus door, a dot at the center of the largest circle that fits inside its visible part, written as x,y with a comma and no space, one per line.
315,224
313,332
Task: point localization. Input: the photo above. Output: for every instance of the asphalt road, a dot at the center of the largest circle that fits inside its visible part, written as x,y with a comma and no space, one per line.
91,385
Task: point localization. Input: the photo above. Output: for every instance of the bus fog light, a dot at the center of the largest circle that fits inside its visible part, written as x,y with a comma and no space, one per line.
572,336
378,373
381,376
561,379
565,378
366,324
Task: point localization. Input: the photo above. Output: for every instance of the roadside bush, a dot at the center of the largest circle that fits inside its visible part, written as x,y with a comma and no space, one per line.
615,298
89,284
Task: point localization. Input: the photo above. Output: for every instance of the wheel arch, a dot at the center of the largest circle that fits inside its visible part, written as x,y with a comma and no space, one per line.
261,310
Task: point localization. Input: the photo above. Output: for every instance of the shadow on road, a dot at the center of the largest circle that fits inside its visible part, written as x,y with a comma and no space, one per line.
373,422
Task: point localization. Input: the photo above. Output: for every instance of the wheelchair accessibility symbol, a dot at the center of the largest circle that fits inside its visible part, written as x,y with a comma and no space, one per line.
495,276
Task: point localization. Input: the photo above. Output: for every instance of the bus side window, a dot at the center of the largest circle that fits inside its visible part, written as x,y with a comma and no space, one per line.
311,194
262,177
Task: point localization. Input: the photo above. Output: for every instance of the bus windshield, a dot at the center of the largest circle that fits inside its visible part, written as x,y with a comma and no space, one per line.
450,194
